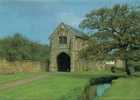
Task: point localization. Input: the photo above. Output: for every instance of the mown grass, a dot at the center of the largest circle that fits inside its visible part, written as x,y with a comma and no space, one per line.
124,89
13,77
67,86
54,86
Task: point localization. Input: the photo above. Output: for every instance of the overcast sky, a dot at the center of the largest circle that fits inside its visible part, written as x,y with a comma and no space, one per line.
37,19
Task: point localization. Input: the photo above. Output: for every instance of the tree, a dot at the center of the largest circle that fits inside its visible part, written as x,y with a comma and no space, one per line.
18,47
116,31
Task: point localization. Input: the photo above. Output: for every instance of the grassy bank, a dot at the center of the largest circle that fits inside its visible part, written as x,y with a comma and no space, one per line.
54,86
124,89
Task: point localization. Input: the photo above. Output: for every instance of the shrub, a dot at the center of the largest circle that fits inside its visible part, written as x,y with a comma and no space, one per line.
115,69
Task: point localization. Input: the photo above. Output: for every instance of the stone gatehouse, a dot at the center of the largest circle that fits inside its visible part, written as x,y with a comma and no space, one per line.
65,43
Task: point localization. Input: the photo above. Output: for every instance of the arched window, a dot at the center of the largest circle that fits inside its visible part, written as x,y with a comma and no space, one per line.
63,40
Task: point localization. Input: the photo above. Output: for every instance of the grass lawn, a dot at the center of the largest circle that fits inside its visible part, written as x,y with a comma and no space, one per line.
13,77
124,89
54,86
66,86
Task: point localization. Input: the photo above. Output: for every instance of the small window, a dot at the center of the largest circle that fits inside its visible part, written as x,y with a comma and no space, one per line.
63,40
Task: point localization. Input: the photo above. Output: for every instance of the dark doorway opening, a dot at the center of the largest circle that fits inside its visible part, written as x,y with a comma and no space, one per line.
63,62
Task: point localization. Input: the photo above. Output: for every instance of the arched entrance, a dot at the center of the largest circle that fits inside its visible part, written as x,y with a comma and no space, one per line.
63,62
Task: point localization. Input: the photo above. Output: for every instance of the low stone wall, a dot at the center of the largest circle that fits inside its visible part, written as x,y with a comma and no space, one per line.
99,65
21,66
90,65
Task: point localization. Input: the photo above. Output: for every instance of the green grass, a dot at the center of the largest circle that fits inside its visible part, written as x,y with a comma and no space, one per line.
13,77
54,86
124,89
66,86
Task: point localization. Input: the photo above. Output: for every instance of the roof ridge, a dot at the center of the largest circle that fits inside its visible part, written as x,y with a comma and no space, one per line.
75,31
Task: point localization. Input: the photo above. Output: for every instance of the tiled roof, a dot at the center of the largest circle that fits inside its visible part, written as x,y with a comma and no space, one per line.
73,30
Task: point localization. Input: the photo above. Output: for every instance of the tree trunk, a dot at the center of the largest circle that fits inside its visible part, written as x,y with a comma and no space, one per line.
127,67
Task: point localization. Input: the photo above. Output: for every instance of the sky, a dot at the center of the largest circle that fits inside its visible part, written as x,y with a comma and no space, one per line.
37,19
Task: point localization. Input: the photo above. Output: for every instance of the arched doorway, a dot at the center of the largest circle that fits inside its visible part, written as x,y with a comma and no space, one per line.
63,62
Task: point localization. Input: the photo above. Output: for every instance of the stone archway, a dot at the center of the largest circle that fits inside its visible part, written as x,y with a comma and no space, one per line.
63,62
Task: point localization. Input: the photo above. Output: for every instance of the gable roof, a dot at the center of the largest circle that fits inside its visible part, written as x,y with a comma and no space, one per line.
73,30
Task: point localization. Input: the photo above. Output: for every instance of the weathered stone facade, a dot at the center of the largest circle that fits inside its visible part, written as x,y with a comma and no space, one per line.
65,44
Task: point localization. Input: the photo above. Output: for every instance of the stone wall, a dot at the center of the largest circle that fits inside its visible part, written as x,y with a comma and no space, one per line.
90,65
22,66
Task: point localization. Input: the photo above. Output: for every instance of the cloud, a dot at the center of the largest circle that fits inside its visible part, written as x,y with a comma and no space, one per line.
69,18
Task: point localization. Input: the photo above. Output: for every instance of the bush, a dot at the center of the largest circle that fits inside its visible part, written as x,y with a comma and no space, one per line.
115,69
135,65
137,68
18,47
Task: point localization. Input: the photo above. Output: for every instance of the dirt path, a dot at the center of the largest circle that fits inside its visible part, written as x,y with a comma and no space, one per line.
20,82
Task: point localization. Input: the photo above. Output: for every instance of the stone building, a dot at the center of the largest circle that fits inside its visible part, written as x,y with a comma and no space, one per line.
65,43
